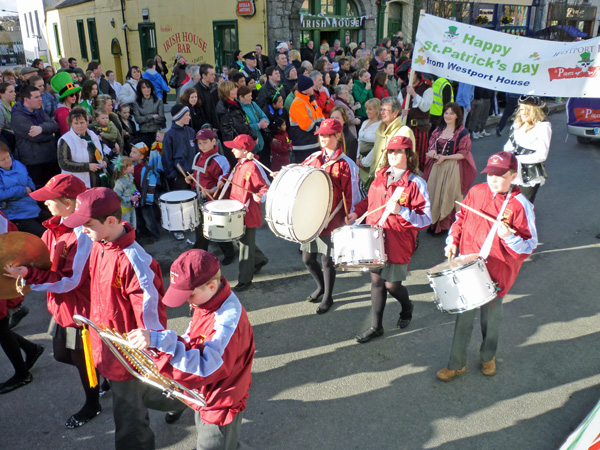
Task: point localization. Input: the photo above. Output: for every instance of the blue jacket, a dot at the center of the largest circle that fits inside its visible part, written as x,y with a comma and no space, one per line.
465,95
157,80
15,202
255,115
33,150
178,147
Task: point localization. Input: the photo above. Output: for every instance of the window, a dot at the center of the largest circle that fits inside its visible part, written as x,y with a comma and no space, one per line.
82,43
26,24
93,35
31,25
57,39
328,6
37,22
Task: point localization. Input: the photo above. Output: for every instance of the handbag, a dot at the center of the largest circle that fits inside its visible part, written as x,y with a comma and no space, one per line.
173,81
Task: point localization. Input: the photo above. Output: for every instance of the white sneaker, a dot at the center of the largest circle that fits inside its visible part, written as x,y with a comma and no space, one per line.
179,236
485,134
475,135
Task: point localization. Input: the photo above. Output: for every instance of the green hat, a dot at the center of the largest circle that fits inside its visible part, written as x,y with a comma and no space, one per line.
586,57
452,31
62,83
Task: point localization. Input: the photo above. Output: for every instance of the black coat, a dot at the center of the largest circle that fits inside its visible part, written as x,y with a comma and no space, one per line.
209,98
233,123
307,54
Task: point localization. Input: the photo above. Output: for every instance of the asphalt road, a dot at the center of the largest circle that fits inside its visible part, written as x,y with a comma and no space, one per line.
314,387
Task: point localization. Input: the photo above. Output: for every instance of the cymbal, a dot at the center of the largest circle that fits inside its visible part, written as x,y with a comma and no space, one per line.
20,249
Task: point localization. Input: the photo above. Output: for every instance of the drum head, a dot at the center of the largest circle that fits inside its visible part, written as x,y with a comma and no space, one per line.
456,263
223,206
312,205
177,196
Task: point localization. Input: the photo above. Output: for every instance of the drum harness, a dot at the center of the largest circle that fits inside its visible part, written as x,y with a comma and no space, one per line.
341,203
200,170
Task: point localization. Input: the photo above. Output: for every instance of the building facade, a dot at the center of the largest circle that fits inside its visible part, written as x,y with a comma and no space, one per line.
33,30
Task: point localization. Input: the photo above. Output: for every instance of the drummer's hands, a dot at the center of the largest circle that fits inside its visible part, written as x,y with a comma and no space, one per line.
220,184
503,231
274,174
393,207
139,338
189,179
351,218
450,251
257,198
15,271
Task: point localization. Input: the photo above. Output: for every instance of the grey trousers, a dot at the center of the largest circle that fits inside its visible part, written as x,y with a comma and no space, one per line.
215,437
131,400
491,318
250,256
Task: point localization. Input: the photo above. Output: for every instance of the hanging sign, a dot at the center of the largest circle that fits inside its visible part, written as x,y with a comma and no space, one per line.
245,8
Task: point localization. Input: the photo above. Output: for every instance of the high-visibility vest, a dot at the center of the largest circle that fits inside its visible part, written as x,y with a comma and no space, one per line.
438,101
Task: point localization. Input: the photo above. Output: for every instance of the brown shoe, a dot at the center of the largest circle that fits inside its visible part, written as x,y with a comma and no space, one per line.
489,368
446,374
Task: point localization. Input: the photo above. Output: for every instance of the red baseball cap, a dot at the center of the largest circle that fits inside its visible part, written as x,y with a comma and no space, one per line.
398,142
500,163
243,141
205,135
330,126
92,203
192,269
61,185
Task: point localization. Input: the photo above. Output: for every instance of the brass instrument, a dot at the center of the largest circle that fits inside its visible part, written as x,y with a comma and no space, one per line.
140,364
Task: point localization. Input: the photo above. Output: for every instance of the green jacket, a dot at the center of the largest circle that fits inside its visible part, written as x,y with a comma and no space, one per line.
361,95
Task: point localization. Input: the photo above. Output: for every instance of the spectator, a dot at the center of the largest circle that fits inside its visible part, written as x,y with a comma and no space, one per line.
290,78
305,117
380,83
162,70
107,131
262,60
179,69
367,136
106,102
8,76
77,151
112,80
156,79
281,145
129,90
89,92
480,110
342,99
103,85
282,62
294,59
308,52
48,100
148,111
249,70
464,97
8,96
323,100
129,131
179,147
189,98
257,119
237,63
323,52
275,110
377,63
207,94
350,142
73,64
392,85
64,65
194,74
68,96
307,67
362,91
270,88
232,117
34,131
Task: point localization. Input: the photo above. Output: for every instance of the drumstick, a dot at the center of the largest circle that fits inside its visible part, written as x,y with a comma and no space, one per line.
368,213
204,191
485,216
241,187
251,156
345,205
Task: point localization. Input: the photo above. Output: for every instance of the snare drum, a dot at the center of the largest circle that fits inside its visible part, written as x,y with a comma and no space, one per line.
223,220
461,284
358,248
298,203
179,211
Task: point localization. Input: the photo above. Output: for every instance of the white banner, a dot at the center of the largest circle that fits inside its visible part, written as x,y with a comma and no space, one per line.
507,63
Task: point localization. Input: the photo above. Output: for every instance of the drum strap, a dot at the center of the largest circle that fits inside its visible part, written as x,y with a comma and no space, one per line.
487,245
331,162
395,197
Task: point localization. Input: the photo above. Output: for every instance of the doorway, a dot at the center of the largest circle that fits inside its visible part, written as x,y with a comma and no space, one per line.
225,34
147,41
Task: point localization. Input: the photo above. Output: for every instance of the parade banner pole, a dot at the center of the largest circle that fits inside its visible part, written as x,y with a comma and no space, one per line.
411,80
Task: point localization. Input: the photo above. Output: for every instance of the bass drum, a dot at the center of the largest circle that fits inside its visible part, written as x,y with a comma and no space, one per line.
299,203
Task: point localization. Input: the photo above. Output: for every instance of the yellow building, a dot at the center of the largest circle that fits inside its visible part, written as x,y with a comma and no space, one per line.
124,33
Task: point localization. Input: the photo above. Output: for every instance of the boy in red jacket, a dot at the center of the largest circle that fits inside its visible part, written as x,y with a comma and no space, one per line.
503,251
250,175
215,355
126,293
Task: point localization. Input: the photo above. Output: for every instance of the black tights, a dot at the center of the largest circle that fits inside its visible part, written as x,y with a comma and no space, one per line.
325,277
379,290
77,358
12,344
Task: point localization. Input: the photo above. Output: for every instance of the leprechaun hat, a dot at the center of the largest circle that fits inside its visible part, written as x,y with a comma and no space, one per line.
62,83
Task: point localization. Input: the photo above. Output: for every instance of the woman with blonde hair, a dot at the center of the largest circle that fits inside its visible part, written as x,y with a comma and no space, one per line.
529,140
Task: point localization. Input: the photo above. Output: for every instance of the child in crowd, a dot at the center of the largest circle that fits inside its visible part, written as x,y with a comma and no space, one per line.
108,131
208,168
125,188
281,146
147,169
158,141
126,290
503,250
250,174
216,354
127,125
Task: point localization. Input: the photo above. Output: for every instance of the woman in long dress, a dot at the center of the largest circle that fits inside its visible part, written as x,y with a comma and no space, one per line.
449,168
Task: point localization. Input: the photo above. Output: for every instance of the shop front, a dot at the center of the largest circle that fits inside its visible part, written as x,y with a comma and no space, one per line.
579,16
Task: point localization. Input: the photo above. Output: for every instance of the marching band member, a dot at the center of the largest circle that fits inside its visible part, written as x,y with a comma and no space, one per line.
249,174
503,251
407,211
67,283
344,175
126,288
215,355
